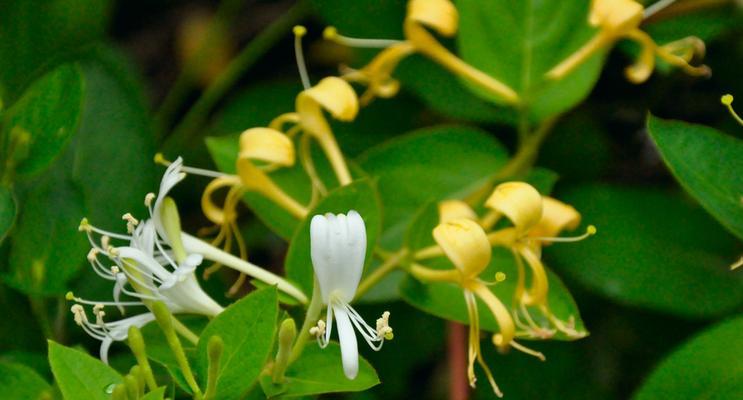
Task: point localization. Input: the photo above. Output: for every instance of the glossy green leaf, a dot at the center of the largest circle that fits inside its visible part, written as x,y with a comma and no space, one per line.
519,42
38,34
247,328
652,250
46,249
708,366
708,165
157,394
447,300
80,376
361,196
320,371
445,94
115,170
434,163
8,211
18,381
49,112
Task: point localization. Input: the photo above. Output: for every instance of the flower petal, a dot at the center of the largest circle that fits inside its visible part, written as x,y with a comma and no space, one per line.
349,346
518,201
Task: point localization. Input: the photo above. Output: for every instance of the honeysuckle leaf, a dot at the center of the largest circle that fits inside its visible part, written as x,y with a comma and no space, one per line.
361,196
319,371
18,381
651,247
429,164
708,165
248,328
48,112
447,300
518,42
40,34
80,376
708,366
157,394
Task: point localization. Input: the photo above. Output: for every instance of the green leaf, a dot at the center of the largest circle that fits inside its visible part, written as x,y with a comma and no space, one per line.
519,42
447,300
38,34
248,328
456,160
707,163
46,249
115,170
8,211
709,366
320,371
18,381
445,94
157,394
80,376
361,196
49,111
652,250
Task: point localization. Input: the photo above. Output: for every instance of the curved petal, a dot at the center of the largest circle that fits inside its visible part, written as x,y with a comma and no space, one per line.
334,95
455,209
556,217
267,145
518,201
172,176
616,17
465,244
349,346
440,15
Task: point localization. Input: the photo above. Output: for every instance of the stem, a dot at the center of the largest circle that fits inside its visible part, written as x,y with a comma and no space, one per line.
196,116
313,312
212,253
458,386
378,274
522,160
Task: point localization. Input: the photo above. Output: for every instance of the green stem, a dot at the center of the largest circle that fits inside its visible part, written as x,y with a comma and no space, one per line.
197,115
313,312
390,263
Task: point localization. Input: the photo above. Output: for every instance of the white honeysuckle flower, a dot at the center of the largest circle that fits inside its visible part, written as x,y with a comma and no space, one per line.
338,250
144,269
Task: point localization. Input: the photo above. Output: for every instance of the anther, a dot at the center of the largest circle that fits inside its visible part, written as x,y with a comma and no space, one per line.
115,270
149,198
84,225
79,313
92,254
99,314
384,330
318,330
105,242
131,222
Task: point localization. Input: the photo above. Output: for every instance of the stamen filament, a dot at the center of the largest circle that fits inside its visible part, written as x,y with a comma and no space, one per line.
656,7
528,351
331,34
590,231
300,31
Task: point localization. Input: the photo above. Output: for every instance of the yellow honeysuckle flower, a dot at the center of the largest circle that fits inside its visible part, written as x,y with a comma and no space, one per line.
422,15
621,19
536,221
267,145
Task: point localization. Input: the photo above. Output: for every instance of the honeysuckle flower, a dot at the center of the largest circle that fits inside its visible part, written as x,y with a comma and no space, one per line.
338,250
536,221
621,19
438,15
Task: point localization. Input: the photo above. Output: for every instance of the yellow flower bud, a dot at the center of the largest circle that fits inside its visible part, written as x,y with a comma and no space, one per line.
464,242
518,201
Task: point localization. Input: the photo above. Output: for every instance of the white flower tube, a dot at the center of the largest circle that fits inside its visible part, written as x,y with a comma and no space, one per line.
338,250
